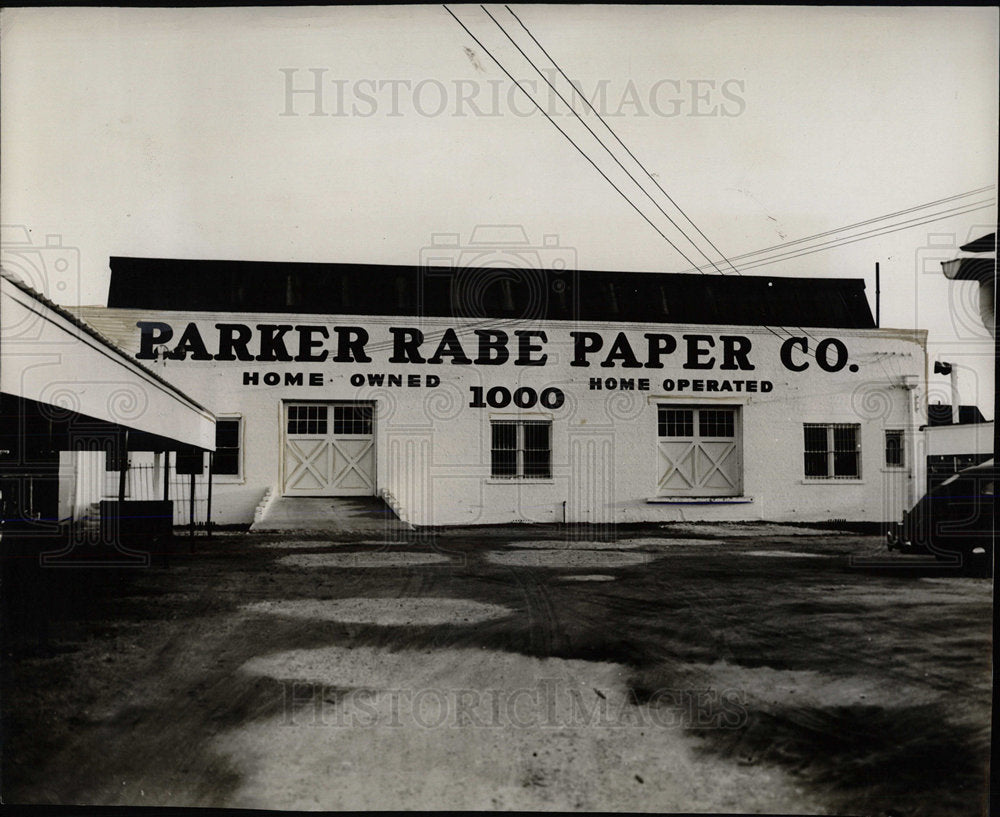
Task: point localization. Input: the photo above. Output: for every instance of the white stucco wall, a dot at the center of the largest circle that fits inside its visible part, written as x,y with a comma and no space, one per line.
433,449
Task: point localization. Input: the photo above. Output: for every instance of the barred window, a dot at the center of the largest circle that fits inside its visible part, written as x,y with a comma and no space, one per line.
894,456
832,451
521,449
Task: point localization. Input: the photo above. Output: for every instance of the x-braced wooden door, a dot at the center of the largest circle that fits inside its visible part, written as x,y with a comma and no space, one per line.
328,449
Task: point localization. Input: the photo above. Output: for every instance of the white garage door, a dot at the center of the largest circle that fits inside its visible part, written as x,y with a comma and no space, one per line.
328,449
699,451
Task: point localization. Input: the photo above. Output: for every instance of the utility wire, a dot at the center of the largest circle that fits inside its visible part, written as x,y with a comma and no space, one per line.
570,138
891,228
624,146
584,154
957,211
885,217
598,138
729,261
620,142
695,226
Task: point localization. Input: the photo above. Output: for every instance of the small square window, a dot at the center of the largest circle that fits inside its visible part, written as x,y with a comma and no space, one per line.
832,451
716,423
894,452
675,422
521,449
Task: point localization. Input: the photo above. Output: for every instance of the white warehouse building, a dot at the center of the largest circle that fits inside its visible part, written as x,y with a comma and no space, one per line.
494,395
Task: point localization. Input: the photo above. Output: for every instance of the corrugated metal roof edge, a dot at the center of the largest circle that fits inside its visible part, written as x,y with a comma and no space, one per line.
88,329
127,269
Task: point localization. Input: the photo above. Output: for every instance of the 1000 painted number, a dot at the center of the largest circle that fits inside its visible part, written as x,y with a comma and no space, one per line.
524,397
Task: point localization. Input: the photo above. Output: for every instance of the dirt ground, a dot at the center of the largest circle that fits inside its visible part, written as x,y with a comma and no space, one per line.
690,669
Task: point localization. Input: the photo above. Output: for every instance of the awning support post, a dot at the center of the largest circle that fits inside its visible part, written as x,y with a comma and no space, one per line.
191,513
122,454
208,510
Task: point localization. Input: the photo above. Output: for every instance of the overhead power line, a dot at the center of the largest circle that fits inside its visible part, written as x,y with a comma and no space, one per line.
961,210
571,141
624,146
886,217
591,161
730,260
591,132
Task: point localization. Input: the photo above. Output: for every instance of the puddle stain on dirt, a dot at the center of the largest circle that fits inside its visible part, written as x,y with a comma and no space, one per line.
744,530
323,544
589,577
395,612
568,558
477,729
362,559
768,687
655,542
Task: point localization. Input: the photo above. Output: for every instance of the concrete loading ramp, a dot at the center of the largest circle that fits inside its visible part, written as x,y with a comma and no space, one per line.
341,514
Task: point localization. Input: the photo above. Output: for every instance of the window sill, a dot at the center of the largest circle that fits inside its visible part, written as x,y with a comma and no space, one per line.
831,481
894,469
227,480
699,500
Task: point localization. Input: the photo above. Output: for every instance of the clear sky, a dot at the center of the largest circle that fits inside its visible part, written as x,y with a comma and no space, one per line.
166,132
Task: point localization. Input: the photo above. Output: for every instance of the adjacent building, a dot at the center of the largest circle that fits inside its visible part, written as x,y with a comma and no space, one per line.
957,436
73,406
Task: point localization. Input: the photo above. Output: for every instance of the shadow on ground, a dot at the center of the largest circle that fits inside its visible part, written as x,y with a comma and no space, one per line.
116,683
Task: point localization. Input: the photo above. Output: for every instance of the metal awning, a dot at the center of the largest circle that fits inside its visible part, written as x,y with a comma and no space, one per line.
972,264
51,358
986,243
970,268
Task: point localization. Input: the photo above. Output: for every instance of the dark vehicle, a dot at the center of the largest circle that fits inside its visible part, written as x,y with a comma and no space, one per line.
954,522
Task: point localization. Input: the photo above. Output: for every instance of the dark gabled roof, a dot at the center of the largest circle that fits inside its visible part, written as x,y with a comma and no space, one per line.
986,243
970,269
487,292
939,414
